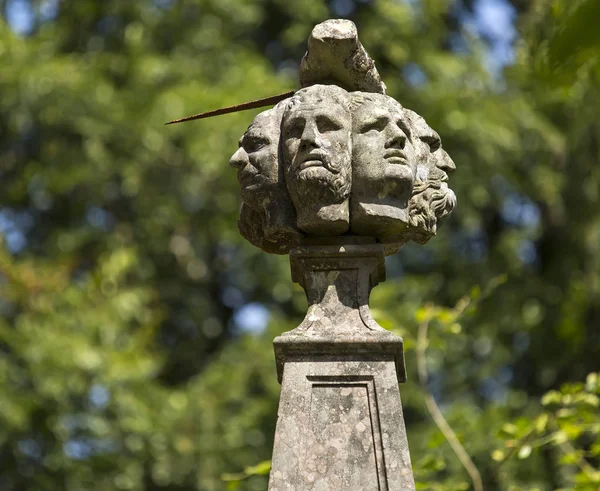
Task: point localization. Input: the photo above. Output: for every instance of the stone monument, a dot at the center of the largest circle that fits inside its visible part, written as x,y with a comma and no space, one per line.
339,175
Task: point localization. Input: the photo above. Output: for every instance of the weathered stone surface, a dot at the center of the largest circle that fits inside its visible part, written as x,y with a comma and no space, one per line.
340,423
340,427
432,200
340,175
338,276
336,56
328,162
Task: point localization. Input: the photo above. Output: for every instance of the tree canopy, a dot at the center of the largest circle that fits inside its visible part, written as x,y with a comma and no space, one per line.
136,323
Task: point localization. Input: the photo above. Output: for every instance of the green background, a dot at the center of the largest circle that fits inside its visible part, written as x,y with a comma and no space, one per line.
135,322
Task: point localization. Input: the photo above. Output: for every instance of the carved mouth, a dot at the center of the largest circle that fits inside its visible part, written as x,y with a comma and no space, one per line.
311,163
395,157
312,159
250,179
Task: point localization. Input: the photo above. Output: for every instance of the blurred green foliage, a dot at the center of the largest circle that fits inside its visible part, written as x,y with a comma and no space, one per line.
568,422
126,291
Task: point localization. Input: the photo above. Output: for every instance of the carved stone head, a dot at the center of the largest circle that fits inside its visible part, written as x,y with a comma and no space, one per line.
432,199
430,149
316,158
384,165
329,162
267,218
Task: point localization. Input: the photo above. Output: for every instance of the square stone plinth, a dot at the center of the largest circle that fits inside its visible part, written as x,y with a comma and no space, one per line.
340,426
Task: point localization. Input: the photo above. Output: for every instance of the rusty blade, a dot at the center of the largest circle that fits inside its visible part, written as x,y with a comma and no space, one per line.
267,101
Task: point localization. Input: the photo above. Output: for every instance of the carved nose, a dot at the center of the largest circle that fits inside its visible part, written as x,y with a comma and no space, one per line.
310,137
238,159
444,162
306,145
396,140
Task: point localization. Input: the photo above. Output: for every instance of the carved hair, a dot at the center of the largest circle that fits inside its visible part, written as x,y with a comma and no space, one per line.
257,228
431,202
320,94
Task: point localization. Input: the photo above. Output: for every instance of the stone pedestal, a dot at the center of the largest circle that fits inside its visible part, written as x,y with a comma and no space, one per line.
340,423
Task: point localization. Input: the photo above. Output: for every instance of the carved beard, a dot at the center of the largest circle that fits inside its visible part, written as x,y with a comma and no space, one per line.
443,201
431,202
328,182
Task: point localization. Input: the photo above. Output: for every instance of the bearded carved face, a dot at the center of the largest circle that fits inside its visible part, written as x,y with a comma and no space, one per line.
326,162
432,199
267,218
316,157
316,151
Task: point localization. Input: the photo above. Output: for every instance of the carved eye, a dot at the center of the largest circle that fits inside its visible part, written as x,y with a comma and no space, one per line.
433,142
325,125
377,125
404,127
254,144
295,129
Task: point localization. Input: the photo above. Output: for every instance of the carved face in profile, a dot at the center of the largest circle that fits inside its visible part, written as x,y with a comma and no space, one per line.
256,158
429,147
316,144
432,199
267,218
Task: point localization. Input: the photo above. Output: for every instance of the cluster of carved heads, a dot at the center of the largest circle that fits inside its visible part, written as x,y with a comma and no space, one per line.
329,162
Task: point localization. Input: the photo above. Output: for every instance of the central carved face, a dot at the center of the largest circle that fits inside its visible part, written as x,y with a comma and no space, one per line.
316,148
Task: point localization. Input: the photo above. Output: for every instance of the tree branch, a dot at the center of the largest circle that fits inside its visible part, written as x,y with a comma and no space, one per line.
436,414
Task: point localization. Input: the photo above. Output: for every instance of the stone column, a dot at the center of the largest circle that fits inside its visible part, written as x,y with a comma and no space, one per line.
340,423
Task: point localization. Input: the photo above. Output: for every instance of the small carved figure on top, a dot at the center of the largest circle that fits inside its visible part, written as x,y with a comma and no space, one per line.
335,56
316,158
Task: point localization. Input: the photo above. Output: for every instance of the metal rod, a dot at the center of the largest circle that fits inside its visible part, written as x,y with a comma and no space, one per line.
267,101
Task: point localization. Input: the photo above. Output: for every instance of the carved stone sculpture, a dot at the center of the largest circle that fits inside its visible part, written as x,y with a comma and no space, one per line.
335,56
327,163
432,200
338,175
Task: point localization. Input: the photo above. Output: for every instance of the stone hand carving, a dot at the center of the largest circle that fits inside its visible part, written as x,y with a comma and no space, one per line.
328,162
